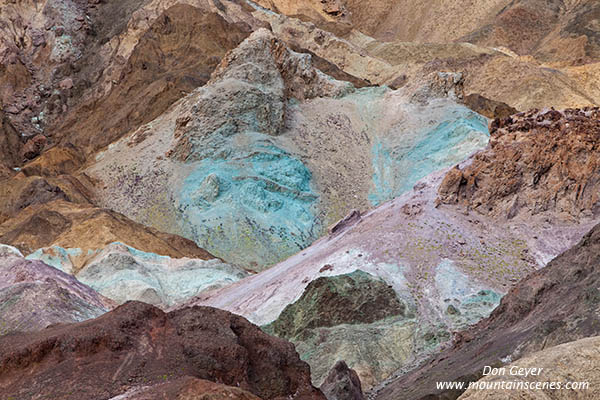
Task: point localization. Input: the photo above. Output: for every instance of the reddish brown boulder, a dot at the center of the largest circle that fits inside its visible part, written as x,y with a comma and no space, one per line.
342,383
138,345
535,162
34,147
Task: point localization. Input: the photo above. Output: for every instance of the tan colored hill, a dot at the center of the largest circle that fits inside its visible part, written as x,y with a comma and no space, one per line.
575,362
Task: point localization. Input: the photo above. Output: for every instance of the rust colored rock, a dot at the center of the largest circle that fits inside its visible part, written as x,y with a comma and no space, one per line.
535,162
34,147
139,345
342,383
189,388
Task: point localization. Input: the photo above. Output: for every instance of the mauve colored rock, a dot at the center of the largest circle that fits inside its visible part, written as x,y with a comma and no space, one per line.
34,295
554,305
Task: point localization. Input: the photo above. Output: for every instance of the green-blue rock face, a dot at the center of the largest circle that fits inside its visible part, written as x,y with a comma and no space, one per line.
253,208
397,167
123,273
253,165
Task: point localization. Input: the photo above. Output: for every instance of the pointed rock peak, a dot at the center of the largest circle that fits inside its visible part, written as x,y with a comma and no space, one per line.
263,58
342,383
247,94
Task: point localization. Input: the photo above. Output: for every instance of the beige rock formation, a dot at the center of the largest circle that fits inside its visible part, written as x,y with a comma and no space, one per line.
570,363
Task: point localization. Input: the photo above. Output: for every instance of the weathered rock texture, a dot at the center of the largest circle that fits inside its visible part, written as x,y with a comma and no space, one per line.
327,323
123,273
550,30
527,54
175,55
345,299
34,295
448,264
187,117
535,161
489,108
138,345
575,362
342,383
10,144
187,388
554,305
68,225
246,165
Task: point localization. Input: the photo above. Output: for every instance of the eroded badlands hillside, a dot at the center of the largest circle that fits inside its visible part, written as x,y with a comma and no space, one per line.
375,182
449,249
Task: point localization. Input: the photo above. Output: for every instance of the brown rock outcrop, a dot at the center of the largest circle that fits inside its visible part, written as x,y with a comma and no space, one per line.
342,383
59,160
34,147
188,388
487,107
139,345
349,220
176,55
536,161
10,143
87,227
19,193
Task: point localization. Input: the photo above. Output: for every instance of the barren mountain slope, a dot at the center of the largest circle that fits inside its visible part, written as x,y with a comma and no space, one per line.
554,305
449,264
136,346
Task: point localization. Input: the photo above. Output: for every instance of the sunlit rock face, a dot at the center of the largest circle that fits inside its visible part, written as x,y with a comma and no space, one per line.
254,165
123,273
